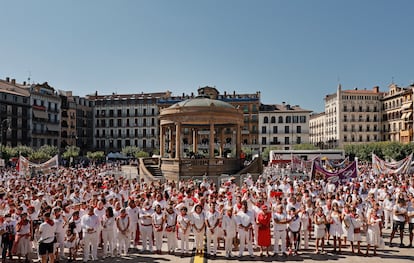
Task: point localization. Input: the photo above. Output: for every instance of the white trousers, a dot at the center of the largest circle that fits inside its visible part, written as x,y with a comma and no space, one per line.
245,239
279,235
90,242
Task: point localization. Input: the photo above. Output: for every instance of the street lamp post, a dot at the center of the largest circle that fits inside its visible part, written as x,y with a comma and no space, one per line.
4,123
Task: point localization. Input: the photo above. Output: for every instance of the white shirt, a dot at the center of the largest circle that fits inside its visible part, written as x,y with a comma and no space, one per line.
47,232
90,222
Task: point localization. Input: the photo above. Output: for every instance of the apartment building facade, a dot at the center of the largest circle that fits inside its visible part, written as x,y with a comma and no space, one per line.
122,120
15,113
397,114
283,126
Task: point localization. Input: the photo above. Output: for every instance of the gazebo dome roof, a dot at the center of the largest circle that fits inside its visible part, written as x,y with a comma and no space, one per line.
202,102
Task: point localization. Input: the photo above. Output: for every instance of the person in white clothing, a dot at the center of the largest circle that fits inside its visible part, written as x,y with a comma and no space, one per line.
108,234
245,220
158,227
199,225
61,223
280,221
212,221
90,226
122,227
388,205
230,230
170,220
183,224
47,231
145,226
133,212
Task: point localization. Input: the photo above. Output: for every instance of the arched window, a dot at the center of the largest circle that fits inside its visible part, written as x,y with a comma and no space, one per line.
273,119
280,119
265,120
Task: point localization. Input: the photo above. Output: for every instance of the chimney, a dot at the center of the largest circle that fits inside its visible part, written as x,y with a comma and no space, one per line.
7,79
13,81
24,83
376,89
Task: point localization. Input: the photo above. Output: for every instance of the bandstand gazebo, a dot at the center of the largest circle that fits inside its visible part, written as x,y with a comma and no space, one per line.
200,136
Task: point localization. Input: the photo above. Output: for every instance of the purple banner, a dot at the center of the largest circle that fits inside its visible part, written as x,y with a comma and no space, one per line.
339,177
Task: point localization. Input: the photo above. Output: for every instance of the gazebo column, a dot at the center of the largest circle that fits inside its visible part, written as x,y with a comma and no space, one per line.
170,142
211,140
178,140
195,141
162,144
238,141
222,142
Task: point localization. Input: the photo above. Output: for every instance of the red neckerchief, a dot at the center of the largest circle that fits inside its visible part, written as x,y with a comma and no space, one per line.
50,222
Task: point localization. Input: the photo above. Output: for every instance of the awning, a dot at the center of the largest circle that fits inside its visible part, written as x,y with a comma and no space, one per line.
408,115
406,106
403,116
40,114
53,127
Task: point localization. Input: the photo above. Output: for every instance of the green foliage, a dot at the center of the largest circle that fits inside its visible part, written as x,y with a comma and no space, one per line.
49,150
141,154
71,151
384,150
39,157
6,152
98,155
156,151
304,146
22,150
130,150
266,152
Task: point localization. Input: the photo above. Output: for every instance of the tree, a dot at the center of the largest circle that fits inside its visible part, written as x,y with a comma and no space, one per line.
96,156
141,154
130,150
22,150
71,152
39,157
49,150
266,152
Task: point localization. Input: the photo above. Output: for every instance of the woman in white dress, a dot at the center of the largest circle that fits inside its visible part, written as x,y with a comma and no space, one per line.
158,227
373,232
198,223
319,221
108,232
335,219
354,231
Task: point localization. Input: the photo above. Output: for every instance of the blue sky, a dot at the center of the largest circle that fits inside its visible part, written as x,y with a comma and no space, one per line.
292,51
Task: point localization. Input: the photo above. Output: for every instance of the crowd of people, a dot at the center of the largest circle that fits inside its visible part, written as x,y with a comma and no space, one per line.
74,211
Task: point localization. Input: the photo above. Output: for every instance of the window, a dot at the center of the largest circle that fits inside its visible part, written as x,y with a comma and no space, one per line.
286,140
280,119
295,119
265,120
302,119
298,129
263,129
274,129
298,140
273,119
264,140
286,129
288,119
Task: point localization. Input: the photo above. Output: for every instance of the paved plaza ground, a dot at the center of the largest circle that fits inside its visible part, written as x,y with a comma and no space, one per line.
388,254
